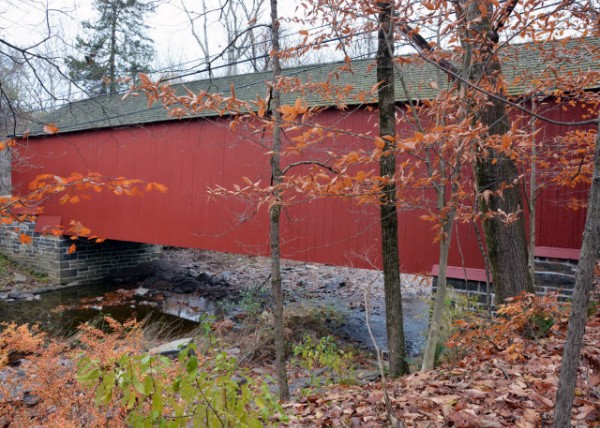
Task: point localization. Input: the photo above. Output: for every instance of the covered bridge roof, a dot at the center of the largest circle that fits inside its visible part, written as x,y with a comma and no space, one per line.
523,64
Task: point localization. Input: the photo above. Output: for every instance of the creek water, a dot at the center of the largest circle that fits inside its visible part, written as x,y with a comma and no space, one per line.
59,313
416,321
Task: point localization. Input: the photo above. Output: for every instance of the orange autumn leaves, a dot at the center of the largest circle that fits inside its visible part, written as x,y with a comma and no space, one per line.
70,189
50,128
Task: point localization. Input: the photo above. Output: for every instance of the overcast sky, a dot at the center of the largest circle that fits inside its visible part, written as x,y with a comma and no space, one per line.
23,21
27,24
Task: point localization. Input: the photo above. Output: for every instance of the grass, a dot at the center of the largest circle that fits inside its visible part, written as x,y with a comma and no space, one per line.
7,268
4,264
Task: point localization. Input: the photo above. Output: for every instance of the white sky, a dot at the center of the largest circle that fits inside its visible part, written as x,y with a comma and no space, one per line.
26,23
23,21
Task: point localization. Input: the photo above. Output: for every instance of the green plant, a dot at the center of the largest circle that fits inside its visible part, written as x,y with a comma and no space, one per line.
205,325
593,308
6,266
456,308
190,391
4,263
538,326
251,302
324,354
39,276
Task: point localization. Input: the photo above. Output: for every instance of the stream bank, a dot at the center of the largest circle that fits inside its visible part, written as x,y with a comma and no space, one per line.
184,284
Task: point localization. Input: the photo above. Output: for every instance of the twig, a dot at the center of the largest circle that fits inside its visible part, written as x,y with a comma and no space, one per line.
394,421
506,375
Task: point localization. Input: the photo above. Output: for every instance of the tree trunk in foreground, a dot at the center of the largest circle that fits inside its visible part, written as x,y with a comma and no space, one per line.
389,216
506,243
275,215
532,200
583,286
433,335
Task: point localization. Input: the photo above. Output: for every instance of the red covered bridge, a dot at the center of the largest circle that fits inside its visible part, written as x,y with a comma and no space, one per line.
118,137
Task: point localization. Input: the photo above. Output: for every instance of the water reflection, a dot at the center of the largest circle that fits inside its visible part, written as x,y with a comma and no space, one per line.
189,307
59,312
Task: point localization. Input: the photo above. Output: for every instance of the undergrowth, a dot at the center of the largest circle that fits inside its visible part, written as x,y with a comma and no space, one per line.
333,364
116,383
7,268
524,318
457,307
4,263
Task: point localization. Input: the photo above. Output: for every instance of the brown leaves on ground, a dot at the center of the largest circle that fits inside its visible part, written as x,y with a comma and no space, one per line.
43,389
18,340
508,378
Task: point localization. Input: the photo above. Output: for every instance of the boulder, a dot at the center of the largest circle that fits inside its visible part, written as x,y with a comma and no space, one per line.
19,277
141,291
171,349
186,287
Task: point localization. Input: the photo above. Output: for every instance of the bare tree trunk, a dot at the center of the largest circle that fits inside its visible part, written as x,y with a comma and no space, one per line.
433,336
506,243
583,286
112,66
388,213
275,215
532,200
435,324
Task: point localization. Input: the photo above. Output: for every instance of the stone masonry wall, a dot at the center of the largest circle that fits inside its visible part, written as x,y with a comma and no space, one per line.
90,263
551,276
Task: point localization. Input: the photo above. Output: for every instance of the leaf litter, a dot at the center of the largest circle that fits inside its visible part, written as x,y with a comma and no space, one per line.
504,379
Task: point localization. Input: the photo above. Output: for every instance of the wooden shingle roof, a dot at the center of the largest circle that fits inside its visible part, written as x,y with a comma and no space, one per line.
523,64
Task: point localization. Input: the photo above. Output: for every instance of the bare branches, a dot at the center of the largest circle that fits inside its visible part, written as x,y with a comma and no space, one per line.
423,47
455,75
239,21
314,163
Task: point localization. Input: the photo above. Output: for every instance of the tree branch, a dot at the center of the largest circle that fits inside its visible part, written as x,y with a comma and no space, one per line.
502,19
307,162
422,46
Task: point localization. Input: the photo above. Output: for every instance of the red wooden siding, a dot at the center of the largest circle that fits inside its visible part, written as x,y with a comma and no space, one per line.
192,155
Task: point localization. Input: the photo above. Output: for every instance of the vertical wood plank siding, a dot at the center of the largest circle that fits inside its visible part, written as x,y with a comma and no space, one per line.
189,156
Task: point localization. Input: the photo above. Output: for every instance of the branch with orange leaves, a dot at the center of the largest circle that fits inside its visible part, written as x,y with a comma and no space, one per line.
425,51
70,189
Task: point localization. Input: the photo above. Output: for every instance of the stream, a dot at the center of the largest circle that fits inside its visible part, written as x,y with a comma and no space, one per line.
59,312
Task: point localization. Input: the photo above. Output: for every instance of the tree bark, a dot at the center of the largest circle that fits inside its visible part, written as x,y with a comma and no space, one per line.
388,213
112,66
275,215
532,200
435,324
506,242
583,286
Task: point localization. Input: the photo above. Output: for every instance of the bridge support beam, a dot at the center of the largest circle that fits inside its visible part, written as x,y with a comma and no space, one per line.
92,262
